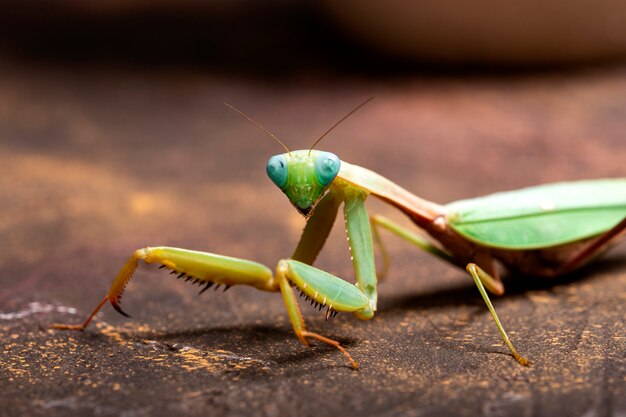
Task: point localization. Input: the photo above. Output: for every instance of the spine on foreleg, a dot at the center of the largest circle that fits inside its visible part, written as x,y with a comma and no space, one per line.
123,277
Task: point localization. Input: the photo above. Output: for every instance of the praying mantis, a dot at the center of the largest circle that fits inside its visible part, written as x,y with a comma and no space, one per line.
546,231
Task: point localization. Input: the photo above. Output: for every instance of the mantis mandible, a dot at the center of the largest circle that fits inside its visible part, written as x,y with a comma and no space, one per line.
546,230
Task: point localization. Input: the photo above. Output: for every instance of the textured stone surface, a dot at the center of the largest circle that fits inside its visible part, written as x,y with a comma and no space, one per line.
96,163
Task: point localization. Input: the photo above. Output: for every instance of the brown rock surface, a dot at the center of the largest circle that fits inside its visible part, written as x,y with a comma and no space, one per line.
96,163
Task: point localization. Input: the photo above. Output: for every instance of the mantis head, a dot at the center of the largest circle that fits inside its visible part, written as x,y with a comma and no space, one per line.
304,176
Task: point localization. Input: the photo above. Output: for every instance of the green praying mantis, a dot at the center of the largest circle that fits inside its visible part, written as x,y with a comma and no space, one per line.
546,231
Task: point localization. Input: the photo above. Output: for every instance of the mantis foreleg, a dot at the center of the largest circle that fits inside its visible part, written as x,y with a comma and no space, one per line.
317,228
201,268
323,289
207,269
361,249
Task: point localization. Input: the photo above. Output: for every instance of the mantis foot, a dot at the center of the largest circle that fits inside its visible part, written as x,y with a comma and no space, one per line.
306,333
60,326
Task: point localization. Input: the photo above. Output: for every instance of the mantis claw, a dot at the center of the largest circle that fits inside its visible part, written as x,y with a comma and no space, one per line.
117,308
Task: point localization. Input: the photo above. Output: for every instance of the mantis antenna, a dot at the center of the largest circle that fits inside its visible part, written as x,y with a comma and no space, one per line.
259,126
342,119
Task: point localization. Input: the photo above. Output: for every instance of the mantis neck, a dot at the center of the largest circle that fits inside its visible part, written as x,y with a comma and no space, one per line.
423,212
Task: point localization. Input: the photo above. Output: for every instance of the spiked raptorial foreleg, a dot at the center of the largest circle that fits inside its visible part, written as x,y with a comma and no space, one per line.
202,268
324,290
317,228
211,270
359,235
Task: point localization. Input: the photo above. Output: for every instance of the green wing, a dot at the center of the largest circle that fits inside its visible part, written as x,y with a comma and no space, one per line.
542,216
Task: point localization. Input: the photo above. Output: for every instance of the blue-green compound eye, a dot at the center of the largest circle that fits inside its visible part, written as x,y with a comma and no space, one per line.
326,167
277,170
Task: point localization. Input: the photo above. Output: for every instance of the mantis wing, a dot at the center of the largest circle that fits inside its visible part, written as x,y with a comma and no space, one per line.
541,216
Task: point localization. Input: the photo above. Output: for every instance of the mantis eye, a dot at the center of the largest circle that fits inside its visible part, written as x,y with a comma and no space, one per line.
277,170
326,167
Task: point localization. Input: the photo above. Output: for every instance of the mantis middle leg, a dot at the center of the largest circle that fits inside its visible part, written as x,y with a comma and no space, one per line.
378,221
482,279
491,280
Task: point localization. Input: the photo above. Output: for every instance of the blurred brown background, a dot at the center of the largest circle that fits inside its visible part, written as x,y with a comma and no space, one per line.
114,136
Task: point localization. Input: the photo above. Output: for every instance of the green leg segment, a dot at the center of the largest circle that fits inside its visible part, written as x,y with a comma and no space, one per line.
208,269
360,242
379,221
361,249
201,268
479,276
317,228
324,290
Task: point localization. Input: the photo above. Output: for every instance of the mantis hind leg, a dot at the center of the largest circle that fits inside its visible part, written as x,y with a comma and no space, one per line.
593,248
480,277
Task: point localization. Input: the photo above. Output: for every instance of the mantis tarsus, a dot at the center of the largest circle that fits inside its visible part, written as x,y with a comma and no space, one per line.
545,231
